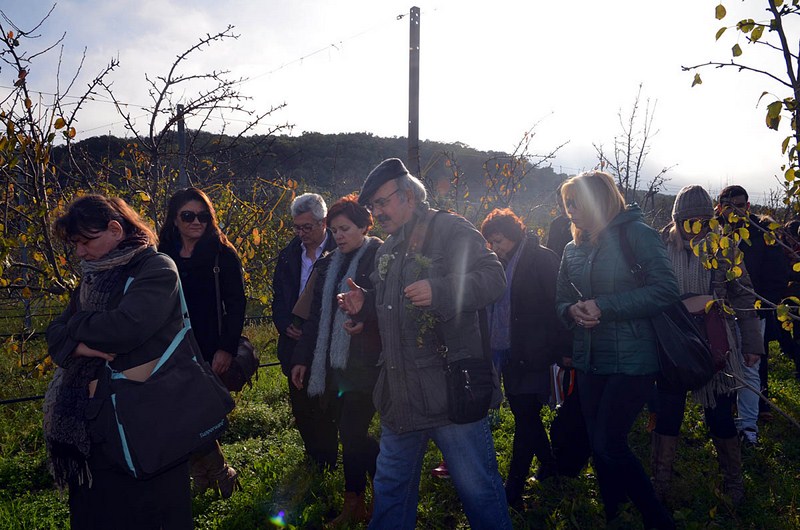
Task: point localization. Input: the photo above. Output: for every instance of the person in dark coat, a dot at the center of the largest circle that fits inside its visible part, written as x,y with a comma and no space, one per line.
524,331
126,311
292,270
191,236
341,357
615,349
768,269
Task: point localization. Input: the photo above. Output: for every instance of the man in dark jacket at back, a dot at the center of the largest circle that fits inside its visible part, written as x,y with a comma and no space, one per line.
434,273
295,262
768,269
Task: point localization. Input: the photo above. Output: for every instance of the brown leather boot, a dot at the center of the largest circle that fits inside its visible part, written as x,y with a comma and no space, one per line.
729,454
198,470
218,472
354,511
662,458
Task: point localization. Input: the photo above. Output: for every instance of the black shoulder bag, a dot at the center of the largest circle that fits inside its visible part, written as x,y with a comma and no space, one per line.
471,381
684,355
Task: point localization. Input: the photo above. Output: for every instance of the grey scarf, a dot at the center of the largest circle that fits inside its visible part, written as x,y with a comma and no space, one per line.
333,338
694,278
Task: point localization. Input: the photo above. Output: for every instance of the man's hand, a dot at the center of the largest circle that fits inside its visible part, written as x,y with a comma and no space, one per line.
419,293
298,374
221,362
352,301
293,332
82,350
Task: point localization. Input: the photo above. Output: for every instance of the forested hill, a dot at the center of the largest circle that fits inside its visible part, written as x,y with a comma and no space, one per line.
337,163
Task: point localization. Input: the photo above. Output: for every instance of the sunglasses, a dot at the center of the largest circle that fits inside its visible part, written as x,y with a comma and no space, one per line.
189,217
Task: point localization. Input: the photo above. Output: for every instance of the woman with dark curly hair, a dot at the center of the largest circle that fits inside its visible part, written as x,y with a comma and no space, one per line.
341,354
191,236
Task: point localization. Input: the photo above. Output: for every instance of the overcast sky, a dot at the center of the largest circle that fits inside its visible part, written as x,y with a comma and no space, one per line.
489,72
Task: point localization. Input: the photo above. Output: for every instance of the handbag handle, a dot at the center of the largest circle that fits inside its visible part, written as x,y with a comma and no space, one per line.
219,295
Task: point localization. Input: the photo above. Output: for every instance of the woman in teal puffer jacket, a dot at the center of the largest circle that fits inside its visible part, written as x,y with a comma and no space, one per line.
614,348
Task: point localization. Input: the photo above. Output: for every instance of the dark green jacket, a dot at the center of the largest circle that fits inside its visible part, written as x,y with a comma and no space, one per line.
624,342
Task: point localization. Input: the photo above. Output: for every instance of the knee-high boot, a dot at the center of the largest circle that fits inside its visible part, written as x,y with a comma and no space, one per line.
662,459
729,454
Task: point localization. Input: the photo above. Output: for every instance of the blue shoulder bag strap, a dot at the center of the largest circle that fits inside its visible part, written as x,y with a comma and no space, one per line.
187,325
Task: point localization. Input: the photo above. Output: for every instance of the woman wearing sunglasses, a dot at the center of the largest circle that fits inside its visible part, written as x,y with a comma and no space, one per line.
191,236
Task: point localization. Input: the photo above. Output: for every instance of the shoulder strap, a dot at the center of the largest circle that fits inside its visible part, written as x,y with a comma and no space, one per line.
627,251
417,243
219,296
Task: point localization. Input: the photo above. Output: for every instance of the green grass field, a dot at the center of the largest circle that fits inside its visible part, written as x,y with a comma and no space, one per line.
281,490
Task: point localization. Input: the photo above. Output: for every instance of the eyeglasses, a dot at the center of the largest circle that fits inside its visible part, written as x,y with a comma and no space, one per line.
382,202
187,216
305,228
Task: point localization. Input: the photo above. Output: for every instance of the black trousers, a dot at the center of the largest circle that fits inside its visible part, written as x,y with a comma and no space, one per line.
568,436
316,419
117,501
530,438
359,449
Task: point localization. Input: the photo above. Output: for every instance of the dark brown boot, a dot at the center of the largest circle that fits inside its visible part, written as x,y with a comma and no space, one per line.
354,511
729,454
219,472
198,470
662,459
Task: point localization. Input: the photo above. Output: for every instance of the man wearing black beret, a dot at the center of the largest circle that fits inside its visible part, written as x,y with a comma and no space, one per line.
433,275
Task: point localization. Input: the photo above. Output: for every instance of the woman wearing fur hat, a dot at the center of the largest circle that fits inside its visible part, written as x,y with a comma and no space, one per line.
341,354
693,208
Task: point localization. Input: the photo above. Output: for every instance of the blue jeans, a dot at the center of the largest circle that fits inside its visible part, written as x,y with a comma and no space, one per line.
468,450
611,403
747,400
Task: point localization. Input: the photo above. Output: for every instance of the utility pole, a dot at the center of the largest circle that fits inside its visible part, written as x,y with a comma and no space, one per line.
413,94
183,182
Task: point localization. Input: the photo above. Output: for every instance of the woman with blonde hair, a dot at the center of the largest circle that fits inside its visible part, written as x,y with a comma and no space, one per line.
615,351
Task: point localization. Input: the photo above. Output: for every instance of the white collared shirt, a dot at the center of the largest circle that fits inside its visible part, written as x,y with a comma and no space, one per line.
307,264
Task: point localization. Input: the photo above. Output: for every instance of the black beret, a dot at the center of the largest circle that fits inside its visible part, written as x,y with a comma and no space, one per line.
389,169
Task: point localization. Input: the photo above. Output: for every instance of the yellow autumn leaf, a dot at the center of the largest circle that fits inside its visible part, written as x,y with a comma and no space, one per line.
720,12
26,292
71,133
796,267
60,123
757,304
256,237
696,227
736,50
28,103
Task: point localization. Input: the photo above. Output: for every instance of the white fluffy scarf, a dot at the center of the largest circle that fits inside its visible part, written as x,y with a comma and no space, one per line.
333,338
